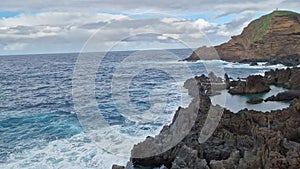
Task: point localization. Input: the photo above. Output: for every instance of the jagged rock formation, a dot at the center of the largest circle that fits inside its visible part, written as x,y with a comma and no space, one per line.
245,140
253,84
288,78
206,85
255,100
285,96
274,38
118,167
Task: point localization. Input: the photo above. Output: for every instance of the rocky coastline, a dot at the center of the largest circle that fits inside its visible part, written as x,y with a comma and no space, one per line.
245,140
273,38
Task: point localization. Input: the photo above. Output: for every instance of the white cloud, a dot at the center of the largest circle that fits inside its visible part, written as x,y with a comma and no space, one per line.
173,7
66,26
58,18
170,20
172,36
14,46
202,24
63,32
49,31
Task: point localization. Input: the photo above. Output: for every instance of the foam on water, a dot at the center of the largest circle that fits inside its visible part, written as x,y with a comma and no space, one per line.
77,152
248,66
37,91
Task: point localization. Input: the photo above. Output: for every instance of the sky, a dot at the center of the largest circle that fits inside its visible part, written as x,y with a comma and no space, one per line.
42,26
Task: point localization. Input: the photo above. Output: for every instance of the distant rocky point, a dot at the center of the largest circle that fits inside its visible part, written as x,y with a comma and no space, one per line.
274,38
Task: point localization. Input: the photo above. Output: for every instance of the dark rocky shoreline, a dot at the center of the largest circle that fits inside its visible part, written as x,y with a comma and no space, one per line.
244,140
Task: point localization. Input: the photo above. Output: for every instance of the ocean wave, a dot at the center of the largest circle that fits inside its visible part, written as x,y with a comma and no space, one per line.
77,152
40,128
261,65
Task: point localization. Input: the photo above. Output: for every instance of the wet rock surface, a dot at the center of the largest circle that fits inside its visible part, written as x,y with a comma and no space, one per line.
245,140
288,78
252,84
210,85
255,100
118,167
285,96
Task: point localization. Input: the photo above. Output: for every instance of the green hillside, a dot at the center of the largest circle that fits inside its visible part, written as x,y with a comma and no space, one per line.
262,24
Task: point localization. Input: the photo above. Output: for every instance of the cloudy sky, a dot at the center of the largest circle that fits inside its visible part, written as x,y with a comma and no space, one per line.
42,26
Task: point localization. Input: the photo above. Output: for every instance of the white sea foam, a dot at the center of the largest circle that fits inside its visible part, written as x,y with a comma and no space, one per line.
248,66
97,149
239,65
77,152
212,61
262,73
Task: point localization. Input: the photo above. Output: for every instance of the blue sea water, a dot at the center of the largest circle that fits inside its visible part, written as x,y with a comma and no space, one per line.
40,128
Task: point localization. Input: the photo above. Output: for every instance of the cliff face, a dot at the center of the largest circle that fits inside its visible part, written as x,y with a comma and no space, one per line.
273,37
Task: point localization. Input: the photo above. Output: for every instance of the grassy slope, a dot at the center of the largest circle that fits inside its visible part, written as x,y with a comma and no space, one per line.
282,13
261,27
262,24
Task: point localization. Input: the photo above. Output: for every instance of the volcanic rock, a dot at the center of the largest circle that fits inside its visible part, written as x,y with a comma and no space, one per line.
118,167
244,140
253,84
255,100
285,96
288,78
274,38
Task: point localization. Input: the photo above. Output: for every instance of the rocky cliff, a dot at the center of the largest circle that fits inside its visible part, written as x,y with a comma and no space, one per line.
274,37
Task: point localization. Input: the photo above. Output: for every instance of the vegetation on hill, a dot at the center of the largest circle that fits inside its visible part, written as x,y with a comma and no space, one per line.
262,24
273,37
261,27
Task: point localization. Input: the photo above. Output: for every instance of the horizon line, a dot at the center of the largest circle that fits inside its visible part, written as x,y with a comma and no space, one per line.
78,52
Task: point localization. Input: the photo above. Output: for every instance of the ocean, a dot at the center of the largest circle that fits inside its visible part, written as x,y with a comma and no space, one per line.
135,93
